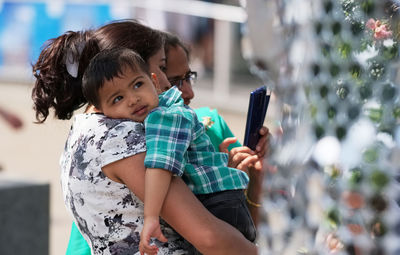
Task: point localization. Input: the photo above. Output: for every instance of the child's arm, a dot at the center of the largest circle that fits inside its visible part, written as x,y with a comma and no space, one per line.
167,139
157,183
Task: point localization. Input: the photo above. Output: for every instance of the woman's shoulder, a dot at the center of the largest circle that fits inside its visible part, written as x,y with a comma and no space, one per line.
100,120
107,137
103,126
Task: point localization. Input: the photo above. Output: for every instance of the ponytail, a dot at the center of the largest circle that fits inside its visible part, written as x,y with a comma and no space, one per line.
58,72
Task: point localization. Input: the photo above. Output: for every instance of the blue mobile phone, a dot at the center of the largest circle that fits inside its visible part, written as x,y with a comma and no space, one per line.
258,105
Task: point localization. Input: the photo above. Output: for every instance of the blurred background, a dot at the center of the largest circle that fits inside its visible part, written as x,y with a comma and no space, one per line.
30,152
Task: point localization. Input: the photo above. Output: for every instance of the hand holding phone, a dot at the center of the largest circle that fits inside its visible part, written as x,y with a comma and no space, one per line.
258,105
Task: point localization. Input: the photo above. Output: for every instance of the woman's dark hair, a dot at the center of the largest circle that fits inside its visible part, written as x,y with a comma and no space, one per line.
171,40
132,35
55,87
107,65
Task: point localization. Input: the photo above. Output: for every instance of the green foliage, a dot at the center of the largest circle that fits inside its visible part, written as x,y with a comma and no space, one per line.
356,177
333,217
367,6
379,179
371,155
390,52
345,49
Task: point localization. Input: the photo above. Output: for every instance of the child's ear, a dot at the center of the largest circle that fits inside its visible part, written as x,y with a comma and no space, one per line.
95,109
156,83
91,108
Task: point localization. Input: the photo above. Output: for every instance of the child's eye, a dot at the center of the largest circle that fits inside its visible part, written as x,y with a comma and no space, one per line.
117,99
163,68
138,84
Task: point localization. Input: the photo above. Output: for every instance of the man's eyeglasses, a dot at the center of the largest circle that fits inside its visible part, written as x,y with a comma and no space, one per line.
189,77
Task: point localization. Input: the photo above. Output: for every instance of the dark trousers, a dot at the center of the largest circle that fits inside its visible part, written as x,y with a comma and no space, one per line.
229,206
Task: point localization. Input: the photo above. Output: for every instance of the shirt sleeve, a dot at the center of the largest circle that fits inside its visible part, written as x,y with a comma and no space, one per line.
168,137
123,140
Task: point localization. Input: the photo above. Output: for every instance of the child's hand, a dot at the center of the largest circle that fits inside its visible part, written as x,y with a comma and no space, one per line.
243,157
151,228
238,157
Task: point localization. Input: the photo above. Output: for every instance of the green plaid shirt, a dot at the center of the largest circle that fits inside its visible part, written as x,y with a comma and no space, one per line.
176,141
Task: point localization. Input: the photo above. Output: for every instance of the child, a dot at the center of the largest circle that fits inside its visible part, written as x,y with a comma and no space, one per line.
176,141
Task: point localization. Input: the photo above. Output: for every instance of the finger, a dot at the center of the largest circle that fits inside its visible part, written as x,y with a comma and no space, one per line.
263,150
150,252
263,131
261,145
239,157
144,251
248,161
150,249
223,147
147,249
242,149
145,242
259,165
161,237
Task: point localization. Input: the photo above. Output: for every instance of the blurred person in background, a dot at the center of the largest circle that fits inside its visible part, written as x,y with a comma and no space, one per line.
10,118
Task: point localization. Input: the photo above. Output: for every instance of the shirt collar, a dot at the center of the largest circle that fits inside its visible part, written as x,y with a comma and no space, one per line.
170,97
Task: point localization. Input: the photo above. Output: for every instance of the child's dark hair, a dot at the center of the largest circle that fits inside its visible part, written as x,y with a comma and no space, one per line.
171,40
107,65
55,87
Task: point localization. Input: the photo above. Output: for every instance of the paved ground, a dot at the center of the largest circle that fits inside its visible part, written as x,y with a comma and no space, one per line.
32,153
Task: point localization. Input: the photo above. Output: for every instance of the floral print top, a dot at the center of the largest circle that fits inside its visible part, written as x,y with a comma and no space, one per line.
108,214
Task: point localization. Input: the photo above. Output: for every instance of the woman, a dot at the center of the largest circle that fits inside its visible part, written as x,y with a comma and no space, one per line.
58,86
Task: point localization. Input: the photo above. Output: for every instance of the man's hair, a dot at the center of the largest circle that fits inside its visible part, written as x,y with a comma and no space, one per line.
107,65
171,40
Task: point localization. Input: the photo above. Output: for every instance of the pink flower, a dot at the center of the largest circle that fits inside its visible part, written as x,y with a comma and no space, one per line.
371,24
381,31
333,242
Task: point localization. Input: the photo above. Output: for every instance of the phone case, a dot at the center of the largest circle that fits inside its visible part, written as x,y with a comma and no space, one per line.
258,105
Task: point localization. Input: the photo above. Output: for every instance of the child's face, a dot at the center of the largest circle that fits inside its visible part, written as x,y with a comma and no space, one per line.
131,96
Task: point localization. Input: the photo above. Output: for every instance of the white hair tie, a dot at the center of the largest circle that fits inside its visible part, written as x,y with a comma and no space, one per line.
73,64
